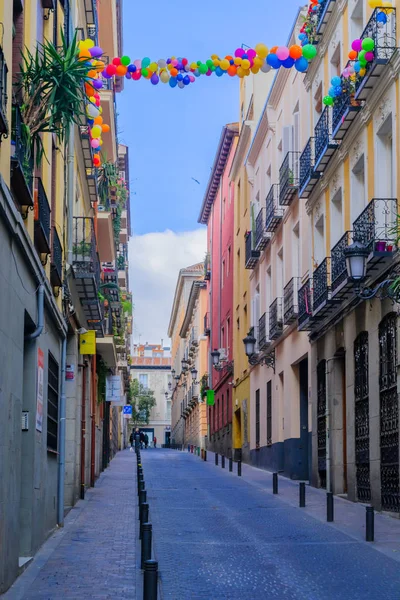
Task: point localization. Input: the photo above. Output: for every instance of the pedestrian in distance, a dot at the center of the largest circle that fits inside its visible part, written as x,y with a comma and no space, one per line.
155,442
141,440
131,440
146,441
137,438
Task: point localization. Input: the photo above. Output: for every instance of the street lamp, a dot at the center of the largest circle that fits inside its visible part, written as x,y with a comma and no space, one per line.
249,345
257,358
194,376
215,354
173,373
356,264
169,385
219,363
184,363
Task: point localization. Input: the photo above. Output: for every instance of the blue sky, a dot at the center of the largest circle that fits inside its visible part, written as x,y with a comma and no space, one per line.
173,134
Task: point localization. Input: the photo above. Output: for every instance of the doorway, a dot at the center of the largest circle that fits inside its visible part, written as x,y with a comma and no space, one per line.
237,432
304,442
167,438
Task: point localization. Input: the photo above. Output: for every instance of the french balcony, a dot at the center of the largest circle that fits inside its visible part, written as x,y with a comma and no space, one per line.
289,178
21,165
207,329
321,287
56,260
86,269
42,221
273,213
375,229
324,13
305,306
263,334
325,146
3,96
105,229
275,319
291,301
339,279
309,176
252,255
90,170
262,237
344,113
385,36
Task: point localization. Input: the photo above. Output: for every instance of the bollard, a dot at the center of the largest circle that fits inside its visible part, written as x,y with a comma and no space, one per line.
150,580
142,496
205,455
230,465
216,459
188,448
144,517
223,461
239,471
329,507
369,524
274,483
302,494
146,542
202,454
141,486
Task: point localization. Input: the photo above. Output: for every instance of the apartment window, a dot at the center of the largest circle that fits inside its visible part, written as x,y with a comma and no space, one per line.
228,266
238,323
52,404
318,103
224,208
357,188
356,20
228,333
335,62
269,413
144,380
228,410
222,273
257,419
222,340
319,241
222,421
296,128
336,217
231,192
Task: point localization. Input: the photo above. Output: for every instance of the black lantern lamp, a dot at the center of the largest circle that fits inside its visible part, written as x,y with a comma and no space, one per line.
173,373
356,261
169,385
184,364
257,358
249,345
194,373
215,354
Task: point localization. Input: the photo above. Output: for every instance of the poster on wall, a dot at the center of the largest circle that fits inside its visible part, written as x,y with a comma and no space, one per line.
39,391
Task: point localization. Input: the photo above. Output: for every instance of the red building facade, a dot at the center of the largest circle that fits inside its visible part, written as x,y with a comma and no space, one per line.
217,213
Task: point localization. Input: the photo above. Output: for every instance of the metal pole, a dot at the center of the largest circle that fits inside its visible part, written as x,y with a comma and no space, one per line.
141,486
216,459
239,470
329,507
223,461
275,483
302,494
230,465
146,542
150,580
369,524
205,455
142,497
144,517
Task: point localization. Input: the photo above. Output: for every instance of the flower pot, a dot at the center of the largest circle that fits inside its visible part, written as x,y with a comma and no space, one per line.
380,246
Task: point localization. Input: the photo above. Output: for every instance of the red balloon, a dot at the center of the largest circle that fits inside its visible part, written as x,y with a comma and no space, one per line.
184,61
116,61
137,75
111,69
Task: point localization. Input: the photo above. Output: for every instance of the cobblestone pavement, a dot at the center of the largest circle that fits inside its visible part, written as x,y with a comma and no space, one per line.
94,555
217,536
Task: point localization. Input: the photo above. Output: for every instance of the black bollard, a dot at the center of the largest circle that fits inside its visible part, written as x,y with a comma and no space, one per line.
230,465
216,459
329,507
141,486
146,542
274,483
144,517
205,455
150,580
369,524
239,471
302,494
142,497
223,461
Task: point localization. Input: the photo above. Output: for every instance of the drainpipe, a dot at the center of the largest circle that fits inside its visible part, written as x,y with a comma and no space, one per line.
71,162
83,430
40,324
328,425
93,424
61,432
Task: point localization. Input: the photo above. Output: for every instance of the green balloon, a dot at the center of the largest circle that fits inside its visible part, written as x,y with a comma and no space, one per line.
368,44
213,67
209,63
309,51
198,63
203,68
328,101
363,62
125,60
145,72
362,54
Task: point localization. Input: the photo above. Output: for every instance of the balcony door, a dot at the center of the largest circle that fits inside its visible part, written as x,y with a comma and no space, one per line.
358,189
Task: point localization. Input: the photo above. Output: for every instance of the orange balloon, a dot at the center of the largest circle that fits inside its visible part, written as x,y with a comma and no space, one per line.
98,121
100,66
232,71
89,89
229,57
105,128
174,72
273,49
295,52
84,54
352,55
122,70
92,74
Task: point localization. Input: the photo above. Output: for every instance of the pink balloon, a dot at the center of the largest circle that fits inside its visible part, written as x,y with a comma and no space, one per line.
192,78
369,56
239,52
357,45
282,53
251,53
346,74
95,143
138,63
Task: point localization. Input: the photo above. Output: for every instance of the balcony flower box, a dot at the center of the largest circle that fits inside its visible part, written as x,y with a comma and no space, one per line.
380,246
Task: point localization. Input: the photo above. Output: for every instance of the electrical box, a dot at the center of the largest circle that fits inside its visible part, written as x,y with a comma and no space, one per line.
25,420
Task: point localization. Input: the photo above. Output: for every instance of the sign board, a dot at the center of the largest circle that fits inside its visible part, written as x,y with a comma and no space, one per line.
87,342
113,388
210,397
70,372
39,390
127,412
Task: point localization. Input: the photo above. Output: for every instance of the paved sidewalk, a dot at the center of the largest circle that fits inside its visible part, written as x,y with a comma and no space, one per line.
94,555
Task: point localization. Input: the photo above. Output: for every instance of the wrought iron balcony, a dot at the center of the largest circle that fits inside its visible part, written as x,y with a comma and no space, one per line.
325,146
324,12
262,237
308,175
56,260
263,335
91,172
375,227
275,319
321,288
338,265
305,306
385,36
344,112
21,164
289,178
3,96
291,301
207,329
252,255
273,213
207,267
42,221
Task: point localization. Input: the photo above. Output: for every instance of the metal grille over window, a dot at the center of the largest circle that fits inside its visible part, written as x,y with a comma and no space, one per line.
321,421
361,397
52,405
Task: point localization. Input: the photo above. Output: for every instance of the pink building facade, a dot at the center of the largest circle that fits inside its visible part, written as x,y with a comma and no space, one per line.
217,213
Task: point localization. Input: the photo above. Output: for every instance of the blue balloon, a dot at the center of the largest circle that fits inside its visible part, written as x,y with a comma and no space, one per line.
288,62
302,36
180,77
219,72
331,92
335,81
301,64
186,80
244,56
128,76
338,91
196,73
381,17
132,69
173,82
357,66
273,61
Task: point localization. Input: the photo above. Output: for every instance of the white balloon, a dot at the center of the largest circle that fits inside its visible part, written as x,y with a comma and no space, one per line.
265,68
187,68
181,84
92,110
162,63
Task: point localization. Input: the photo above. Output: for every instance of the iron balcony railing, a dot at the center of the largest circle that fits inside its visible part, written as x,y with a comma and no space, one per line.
289,178
207,267
84,251
207,329
3,95
21,162
382,29
42,218
321,288
344,111
338,262
308,175
290,301
273,213
252,255
275,319
263,337
262,237
305,304
375,226
324,144
56,259
324,11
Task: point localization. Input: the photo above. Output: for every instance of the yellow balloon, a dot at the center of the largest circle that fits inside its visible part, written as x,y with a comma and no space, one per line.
153,67
246,64
193,65
238,61
214,56
100,110
258,62
89,43
362,72
225,64
96,131
240,72
246,72
164,77
216,62
261,50
255,69
92,99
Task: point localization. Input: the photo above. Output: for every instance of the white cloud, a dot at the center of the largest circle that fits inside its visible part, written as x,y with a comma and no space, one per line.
154,263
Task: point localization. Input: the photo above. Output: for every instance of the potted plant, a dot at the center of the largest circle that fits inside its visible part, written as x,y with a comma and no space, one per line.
380,246
82,251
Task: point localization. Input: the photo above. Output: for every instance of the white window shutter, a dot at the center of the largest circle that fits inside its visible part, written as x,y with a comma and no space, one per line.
287,139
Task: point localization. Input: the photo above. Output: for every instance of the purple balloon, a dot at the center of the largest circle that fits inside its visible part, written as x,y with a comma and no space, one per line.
106,75
97,84
357,45
369,56
96,51
154,79
128,75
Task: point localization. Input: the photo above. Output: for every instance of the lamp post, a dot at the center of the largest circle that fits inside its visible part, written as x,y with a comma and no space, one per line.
194,376
219,363
356,256
257,358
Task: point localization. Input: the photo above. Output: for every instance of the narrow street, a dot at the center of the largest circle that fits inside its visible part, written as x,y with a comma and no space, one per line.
216,536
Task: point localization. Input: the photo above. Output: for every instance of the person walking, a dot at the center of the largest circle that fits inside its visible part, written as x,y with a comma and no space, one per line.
141,440
131,440
146,441
137,438
155,442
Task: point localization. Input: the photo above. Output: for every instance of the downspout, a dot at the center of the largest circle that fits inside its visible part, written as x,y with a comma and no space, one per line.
40,324
93,428
61,434
83,430
71,161
210,362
